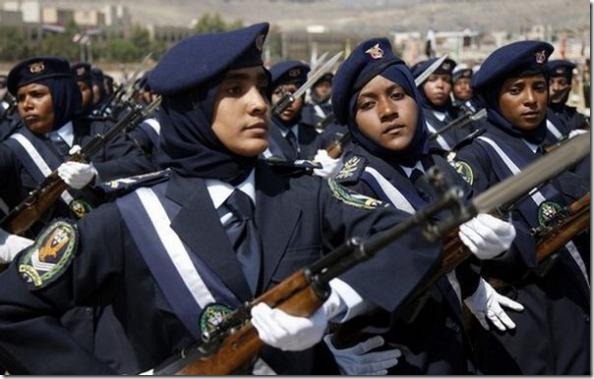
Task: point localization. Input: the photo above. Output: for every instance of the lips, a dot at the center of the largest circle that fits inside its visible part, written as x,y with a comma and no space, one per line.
258,126
393,129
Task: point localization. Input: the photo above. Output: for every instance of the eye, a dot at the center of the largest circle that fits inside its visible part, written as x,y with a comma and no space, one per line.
366,105
515,90
397,95
541,87
234,90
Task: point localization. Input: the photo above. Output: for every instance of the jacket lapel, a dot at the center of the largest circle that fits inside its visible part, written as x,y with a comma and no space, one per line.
276,218
197,225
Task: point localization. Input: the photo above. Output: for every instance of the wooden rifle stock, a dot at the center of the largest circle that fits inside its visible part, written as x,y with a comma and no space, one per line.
335,149
295,295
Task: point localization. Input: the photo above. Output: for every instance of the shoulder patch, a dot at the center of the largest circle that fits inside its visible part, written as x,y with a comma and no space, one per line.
50,255
353,198
351,169
464,170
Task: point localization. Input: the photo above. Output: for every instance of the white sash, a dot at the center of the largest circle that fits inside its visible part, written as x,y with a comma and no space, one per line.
440,140
39,162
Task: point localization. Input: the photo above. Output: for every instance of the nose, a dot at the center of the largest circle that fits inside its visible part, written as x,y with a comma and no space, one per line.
257,104
387,109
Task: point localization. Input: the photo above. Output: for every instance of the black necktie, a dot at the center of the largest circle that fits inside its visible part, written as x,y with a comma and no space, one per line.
415,177
292,140
242,232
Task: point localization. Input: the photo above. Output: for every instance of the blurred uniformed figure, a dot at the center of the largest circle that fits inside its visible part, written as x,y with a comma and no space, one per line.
437,104
565,118
553,333
319,109
215,230
461,90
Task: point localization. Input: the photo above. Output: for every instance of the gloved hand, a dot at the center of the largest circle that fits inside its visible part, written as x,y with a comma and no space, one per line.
290,333
359,360
487,236
576,132
330,166
76,174
485,303
11,245
74,149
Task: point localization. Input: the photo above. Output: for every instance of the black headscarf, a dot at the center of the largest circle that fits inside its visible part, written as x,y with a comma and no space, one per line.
66,99
418,146
188,144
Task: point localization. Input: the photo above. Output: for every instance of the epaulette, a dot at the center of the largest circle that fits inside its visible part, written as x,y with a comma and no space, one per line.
351,169
292,168
119,187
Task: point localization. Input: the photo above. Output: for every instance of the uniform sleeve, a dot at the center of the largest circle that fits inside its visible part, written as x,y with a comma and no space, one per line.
398,267
122,158
11,190
32,340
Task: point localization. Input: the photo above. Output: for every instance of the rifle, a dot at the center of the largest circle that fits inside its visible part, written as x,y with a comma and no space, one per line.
460,122
30,210
323,123
234,342
335,148
12,105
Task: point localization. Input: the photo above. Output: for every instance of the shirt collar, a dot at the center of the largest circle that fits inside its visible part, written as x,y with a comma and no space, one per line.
408,170
532,146
219,191
66,133
294,129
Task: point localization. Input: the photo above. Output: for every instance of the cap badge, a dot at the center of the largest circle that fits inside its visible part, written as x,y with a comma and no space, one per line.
260,41
541,57
446,66
80,71
294,73
36,68
375,52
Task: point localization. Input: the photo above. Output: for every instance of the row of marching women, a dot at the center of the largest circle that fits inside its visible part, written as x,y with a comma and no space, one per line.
218,216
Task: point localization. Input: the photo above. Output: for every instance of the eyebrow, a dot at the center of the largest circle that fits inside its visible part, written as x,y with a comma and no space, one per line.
244,76
390,88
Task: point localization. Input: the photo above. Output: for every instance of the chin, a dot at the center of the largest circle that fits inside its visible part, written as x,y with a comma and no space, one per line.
252,148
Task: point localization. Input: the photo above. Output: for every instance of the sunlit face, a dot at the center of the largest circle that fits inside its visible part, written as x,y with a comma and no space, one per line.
462,90
559,87
240,118
523,101
36,107
292,110
437,88
386,114
86,92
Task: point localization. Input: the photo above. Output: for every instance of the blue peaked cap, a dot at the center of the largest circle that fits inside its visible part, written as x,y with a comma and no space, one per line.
294,72
560,67
196,60
510,59
366,61
35,69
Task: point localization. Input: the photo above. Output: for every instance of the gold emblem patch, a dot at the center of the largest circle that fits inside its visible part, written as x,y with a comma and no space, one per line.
353,198
348,168
375,52
546,211
36,68
464,170
50,255
541,56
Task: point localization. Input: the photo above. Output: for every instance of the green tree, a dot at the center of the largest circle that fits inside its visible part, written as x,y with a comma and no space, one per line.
213,23
13,45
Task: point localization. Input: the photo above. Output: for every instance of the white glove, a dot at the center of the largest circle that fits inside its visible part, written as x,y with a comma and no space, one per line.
74,149
76,174
487,236
330,166
358,360
485,301
148,372
290,333
576,132
11,245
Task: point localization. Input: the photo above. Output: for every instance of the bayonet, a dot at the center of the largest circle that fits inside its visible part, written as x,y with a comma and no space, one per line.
429,70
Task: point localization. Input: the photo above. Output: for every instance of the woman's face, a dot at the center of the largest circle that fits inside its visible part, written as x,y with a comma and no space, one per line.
437,89
86,92
462,90
386,114
36,107
292,110
523,101
240,118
